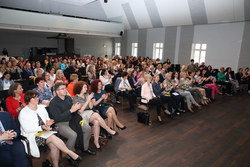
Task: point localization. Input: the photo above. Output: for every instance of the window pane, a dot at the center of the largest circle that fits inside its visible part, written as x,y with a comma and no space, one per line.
161,45
197,46
204,46
157,45
203,56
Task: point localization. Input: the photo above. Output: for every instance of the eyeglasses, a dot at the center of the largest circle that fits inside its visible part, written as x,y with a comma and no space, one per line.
62,88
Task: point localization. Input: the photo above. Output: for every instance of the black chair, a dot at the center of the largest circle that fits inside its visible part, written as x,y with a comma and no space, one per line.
26,142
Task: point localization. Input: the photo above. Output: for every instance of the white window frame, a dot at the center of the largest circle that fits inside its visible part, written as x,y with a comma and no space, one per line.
118,48
157,50
198,52
134,50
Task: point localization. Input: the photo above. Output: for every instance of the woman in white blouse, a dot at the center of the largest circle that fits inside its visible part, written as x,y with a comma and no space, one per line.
33,119
149,97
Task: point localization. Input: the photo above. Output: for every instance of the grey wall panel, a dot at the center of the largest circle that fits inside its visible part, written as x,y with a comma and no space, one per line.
169,45
198,11
124,44
186,40
244,59
153,13
130,16
142,42
247,9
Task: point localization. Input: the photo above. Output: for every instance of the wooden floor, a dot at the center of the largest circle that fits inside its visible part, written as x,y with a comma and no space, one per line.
218,135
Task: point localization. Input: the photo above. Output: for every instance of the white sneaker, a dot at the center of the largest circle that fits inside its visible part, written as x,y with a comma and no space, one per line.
249,91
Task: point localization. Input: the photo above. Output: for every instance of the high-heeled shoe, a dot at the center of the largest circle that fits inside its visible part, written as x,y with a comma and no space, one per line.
159,120
74,162
123,128
115,134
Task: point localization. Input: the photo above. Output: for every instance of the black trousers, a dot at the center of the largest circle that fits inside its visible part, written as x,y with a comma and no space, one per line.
131,96
110,88
227,84
158,103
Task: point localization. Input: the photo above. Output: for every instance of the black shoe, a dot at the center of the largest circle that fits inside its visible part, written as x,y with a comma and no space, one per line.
90,152
124,127
159,120
74,162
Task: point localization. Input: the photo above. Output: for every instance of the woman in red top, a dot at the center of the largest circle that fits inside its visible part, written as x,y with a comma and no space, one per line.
15,102
60,77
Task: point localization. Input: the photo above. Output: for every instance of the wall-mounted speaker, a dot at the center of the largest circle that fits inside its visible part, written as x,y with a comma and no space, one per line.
121,33
105,1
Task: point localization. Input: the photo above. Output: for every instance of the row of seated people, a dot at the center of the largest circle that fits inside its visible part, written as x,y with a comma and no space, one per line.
173,90
62,106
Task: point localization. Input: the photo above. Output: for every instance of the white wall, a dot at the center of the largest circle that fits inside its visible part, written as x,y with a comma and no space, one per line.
96,46
223,43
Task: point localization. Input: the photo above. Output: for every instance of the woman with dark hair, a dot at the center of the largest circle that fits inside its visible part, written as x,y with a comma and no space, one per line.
6,81
34,118
86,112
99,98
134,82
232,80
45,94
15,102
106,80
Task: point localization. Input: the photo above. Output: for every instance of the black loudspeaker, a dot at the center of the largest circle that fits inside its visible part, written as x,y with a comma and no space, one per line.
105,1
121,33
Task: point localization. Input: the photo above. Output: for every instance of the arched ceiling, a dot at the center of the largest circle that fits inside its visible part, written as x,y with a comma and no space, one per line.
139,14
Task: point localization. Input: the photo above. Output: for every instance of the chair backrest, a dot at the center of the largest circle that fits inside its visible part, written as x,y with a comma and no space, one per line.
117,83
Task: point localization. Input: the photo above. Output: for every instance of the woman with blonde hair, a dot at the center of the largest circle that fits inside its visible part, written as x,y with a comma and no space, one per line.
60,77
150,98
188,96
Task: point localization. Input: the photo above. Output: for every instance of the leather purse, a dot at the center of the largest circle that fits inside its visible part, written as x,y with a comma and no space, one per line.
143,117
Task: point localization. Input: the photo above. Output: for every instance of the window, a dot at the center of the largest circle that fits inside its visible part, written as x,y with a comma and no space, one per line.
134,49
199,52
117,49
157,50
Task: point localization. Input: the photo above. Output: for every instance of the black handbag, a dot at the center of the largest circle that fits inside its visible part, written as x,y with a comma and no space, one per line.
143,117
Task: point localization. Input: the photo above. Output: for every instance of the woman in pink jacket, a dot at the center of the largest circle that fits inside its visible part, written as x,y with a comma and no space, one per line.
149,97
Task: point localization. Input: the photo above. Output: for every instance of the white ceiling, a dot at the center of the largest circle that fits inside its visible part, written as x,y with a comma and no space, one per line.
138,14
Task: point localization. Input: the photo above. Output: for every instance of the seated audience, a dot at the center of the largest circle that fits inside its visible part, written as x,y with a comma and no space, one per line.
61,108
60,77
86,112
106,110
6,81
222,79
38,66
27,72
33,119
126,90
149,97
232,80
15,102
12,150
73,78
188,96
45,94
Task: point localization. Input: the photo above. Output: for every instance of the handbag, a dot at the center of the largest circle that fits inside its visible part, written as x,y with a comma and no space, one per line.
143,117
